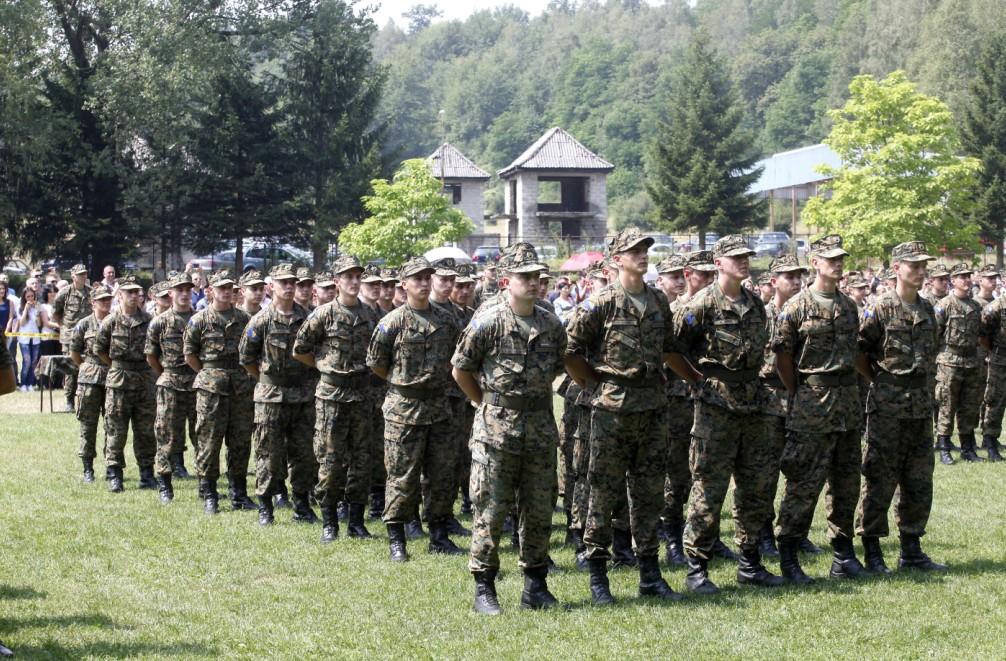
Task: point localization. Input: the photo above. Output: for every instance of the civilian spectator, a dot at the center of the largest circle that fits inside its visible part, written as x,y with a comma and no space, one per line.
564,304
8,319
50,346
108,280
31,320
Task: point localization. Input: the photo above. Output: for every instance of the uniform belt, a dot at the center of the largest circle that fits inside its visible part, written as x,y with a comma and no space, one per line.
359,380
415,392
519,402
280,381
91,360
179,369
230,364
129,364
902,380
638,382
963,352
829,379
721,373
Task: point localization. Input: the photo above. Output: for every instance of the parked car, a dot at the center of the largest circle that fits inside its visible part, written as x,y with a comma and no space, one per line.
801,248
772,244
485,254
16,267
261,258
661,250
548,252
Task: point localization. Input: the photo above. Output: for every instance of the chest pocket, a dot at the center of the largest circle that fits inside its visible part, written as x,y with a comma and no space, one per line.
962,329
898,341
623,344
89,337
412,351
278,347
119,346
213,342
512,355
438,349
171,344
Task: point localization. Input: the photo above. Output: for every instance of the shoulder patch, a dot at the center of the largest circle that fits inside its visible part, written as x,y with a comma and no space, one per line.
690,318
867,313
251,333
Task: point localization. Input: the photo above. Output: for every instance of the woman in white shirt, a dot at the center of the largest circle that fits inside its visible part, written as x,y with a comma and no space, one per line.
32,318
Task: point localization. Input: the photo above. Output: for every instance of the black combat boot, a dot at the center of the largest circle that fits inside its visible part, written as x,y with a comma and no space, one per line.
440,542
766,542
147,479
115,479
536,595
809,547
721,550
211,499
414,529
342,511
466,501
282,498
454,527
913,557
329,524
302,512
600,592
356,526
88,470
789,562
376,501
991,445
750,571
485,593
969,449
651,583
239,495
265,510
579,549
621,549
943,446
396,543
568,541
178,466
697,579
844,563
675,556
873,555
164,489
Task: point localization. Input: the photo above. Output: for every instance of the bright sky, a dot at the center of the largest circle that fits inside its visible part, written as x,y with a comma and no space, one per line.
451,9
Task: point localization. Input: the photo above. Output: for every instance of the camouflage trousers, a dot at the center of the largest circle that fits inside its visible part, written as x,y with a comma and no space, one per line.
223,420
501,482
175,409
679,478
125,408
90,406
282,442
377,474
994,402
69,377
898,455
581,486
959,393
411,451
567,441
810,462
775,436
462,474
461,428
626,448
342,450
728,444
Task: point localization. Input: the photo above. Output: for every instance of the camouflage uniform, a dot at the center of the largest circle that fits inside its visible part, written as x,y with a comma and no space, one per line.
90,383
994,328
71,305
376,392
900,342
960,372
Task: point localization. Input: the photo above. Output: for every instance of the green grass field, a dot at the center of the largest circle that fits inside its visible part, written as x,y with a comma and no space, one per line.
89,574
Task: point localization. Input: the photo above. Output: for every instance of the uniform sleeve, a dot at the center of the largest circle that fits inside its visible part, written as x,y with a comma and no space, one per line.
193,339
311,334
77,338
381,351
471,350
250,348
688,328
103,341
584,329
670,342
152,347
871,332
787,326
59,304
990,321
940,314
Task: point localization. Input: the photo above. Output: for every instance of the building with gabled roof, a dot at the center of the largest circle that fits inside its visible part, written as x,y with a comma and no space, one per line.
464,184
556,188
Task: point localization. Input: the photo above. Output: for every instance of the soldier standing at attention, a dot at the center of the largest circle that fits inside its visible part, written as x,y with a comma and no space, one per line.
161,295
766,290
939,284
284,401
389,282
815,341
334,339
176,398
898,341
961,373
989,278
462,296
71,305
544,282
129,388
993,340
252,292
90,378
993,389
487,286
723,330
371,291
505,363
412,349
304,295
224,409
785,277
624,331
324,288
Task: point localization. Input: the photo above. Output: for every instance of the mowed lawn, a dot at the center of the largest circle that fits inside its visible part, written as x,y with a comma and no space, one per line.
88,574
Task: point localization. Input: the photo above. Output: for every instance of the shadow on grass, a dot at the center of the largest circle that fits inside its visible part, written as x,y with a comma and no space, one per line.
14,623
55,650
15,592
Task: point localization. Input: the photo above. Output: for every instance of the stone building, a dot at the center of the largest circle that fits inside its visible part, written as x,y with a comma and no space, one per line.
556,189
464,184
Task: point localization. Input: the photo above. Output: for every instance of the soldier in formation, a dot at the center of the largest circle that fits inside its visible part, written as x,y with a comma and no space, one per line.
71,305
90,403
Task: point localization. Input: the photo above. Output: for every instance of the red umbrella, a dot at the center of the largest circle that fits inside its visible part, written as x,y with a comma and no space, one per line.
580,261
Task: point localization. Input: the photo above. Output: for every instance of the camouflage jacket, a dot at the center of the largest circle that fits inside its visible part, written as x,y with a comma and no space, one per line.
624,347
994,328
73,305
164,341
676,386
725,340
416,348
772,396
822,341
214,337
378,386
513,363
268,342
123,338
338,337
900,344
454,392
959,325
92,371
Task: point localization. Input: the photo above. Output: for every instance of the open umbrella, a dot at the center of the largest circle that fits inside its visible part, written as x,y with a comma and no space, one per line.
448,251
581,261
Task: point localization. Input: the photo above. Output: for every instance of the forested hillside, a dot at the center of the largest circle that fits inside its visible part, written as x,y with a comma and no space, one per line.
603,71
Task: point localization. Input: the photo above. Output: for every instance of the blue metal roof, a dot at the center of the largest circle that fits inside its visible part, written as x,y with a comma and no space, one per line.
794,168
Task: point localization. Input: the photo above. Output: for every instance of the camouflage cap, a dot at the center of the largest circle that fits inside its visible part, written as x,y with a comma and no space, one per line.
910,251
700,260
182,279
344,263
416,266
989,271
627,239
325,279
128,282
765,278
938,270
524,259
849,275
304,275
858,281
961,269
221,278
78,268
672,263
466,273
445,267
596,270
887,274
545,275
284,271
371,273
251,278
162,288
732,245
389,275
828,247
98,293
785,264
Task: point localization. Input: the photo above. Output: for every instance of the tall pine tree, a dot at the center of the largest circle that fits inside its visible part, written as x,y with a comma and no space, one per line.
701,164
984,136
